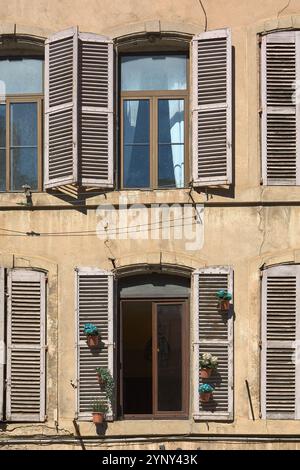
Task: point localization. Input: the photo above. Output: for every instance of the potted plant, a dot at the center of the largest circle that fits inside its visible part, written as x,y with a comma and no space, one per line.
92,335
224,298
207,363
106,380
99,410
206,392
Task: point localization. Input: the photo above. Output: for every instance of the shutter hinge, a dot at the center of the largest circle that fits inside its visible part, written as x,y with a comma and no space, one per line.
260,344
260,415
46,347
46,279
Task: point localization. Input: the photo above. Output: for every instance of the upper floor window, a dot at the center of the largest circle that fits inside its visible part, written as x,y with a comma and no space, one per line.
21,80
154,105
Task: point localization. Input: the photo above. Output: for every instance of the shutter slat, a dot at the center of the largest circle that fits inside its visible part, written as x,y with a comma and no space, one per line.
212,139
213,334
94,305
26,346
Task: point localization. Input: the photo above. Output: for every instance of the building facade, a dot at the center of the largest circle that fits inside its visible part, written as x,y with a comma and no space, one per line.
149,157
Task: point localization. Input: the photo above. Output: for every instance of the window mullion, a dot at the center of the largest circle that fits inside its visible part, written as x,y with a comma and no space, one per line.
7,138
154,142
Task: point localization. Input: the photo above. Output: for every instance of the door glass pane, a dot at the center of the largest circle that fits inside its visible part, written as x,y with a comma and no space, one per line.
2,169
136,147
153,72
169,357
171,143
22,75
2,147
23,145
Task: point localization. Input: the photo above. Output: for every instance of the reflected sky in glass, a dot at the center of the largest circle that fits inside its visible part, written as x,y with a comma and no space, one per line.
22,75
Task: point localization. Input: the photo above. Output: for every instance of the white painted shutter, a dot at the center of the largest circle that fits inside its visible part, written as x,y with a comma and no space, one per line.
25,397
79,110
280,68
94,304
61,109
2,337
213,333
96,87
212,108
280,370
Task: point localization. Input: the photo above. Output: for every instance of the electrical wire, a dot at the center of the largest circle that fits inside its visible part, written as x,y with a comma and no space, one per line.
205,15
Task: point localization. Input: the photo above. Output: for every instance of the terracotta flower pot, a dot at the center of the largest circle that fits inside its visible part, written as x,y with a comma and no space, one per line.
92,341
205,397
98,418
205,373
224,305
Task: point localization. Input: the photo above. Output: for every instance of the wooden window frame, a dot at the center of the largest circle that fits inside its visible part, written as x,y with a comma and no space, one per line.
184,413
153,96
24,98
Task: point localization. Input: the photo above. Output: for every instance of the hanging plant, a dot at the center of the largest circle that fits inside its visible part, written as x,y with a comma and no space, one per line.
92,335
224,298
106,382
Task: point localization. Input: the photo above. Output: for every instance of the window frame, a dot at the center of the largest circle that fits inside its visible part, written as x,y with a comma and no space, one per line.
153,96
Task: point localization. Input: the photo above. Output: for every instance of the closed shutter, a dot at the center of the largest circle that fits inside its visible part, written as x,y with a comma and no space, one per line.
212,103
94,295
280,68
280,387
213,333
79,110
2,345
25,398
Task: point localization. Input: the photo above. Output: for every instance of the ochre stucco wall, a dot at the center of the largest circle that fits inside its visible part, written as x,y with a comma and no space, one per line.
243,237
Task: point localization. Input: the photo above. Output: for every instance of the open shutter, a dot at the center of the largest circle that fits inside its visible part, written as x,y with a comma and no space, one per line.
2,345
280,387
212,103
25,398
213,333
94,304
280,68
96,87
61,109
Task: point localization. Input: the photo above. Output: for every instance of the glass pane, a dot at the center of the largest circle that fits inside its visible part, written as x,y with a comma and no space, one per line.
2,169
2,125
136,144
23,168
153,72
169,357
22,75
171,143
23,122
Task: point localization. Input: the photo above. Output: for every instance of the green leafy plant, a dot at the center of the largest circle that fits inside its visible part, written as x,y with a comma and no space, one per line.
223,295
206,388
99,406
90,329
208,361
108,382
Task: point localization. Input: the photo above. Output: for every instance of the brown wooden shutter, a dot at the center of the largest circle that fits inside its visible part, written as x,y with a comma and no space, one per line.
2,337
213,333
94,294
25,397
79,110
280,114
280,389
212,104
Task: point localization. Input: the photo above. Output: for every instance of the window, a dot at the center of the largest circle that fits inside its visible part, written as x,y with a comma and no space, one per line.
154,110
21,92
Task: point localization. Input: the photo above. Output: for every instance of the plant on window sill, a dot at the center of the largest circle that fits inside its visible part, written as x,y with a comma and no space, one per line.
92,335
224,298
208,363
206,393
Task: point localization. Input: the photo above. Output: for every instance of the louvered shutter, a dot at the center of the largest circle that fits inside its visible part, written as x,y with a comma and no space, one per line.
280,113
61,109
212,103
2,345
280,387
213,333
25,398
79,110
94,294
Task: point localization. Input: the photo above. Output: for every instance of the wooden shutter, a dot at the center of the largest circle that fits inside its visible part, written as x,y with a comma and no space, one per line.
94,301
2,344
25,398
79,110
213,333
96,88
280,370
212,103
280,68
61,109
